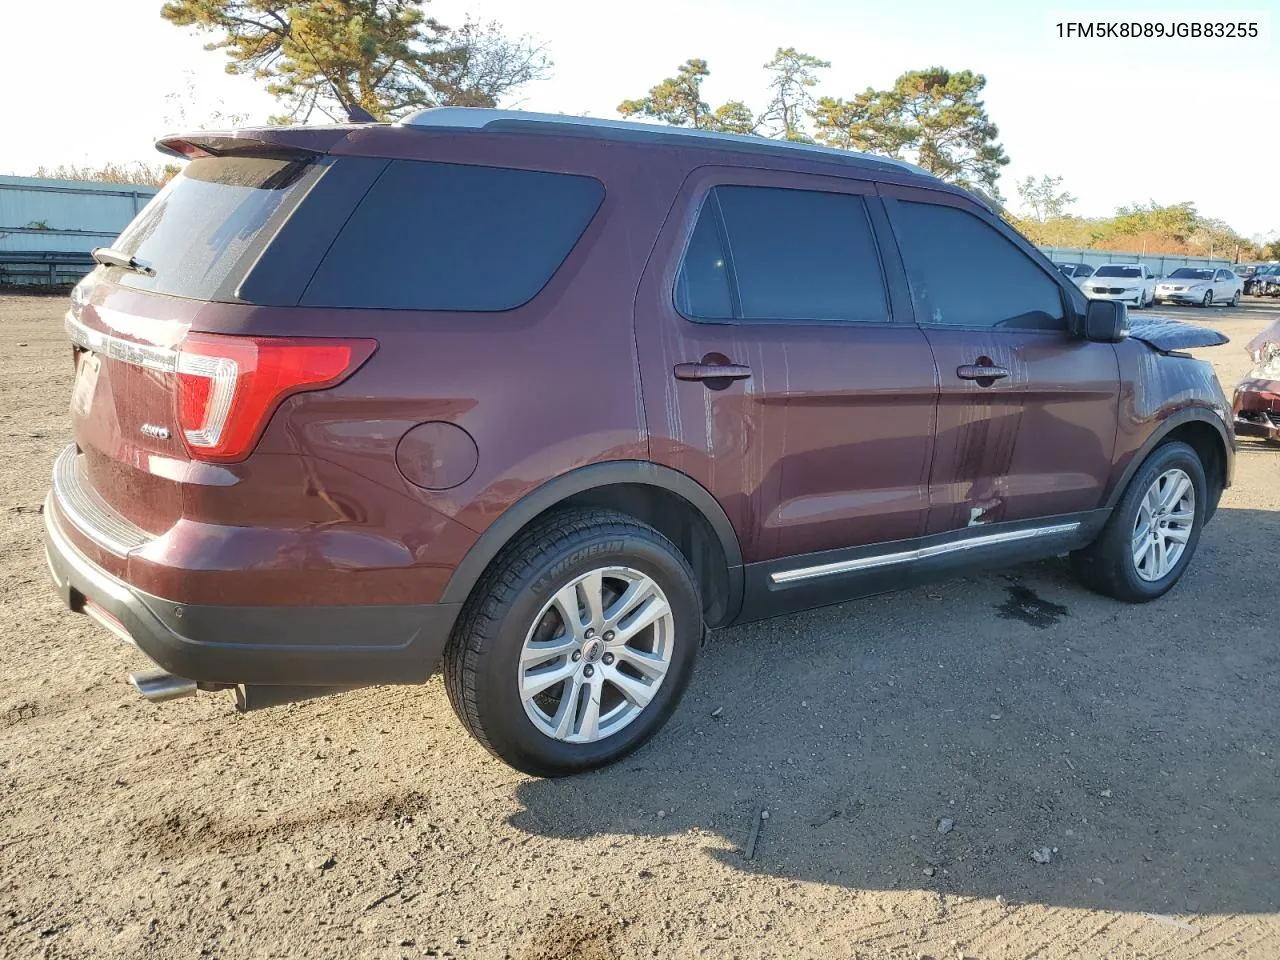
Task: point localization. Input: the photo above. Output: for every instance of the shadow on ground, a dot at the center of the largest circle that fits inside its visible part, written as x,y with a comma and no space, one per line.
1135,742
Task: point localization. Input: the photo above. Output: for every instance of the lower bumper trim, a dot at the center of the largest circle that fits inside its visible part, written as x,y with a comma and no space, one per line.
341,645
1253,428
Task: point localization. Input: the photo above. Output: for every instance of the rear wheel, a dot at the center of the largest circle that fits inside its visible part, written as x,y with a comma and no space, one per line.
1153,531
1235,299
577,645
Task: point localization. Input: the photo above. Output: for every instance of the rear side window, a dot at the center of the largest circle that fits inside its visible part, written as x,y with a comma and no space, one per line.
444,236
203,230
965,273
776,255
702,286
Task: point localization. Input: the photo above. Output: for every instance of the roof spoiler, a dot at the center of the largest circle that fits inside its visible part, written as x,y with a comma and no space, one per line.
213,143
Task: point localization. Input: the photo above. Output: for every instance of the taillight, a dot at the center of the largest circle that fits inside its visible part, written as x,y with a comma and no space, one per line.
228,386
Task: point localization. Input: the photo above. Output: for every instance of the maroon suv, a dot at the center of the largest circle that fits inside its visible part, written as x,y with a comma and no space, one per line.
538,399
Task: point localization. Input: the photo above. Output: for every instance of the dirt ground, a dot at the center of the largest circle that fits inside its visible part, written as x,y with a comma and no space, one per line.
1137,743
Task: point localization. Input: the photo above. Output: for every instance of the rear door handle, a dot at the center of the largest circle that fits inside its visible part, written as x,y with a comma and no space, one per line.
712,371
981,371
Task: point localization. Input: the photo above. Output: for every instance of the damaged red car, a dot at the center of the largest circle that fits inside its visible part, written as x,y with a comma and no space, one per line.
1256,408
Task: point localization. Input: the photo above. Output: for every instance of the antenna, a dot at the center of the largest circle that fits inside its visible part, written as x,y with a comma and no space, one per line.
355,112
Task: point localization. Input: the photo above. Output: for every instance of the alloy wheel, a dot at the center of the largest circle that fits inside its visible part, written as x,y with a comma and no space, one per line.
596,655
1163,525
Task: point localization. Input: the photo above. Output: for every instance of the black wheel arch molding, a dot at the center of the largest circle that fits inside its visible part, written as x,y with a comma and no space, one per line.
598,477
1199,413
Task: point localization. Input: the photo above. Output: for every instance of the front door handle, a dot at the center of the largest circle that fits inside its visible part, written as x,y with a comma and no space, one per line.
980,372
712,371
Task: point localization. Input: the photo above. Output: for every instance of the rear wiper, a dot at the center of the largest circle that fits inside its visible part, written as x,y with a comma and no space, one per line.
114,258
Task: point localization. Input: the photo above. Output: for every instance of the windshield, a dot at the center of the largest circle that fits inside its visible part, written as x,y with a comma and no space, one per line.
1067,268
1112,270
203,230
1190,273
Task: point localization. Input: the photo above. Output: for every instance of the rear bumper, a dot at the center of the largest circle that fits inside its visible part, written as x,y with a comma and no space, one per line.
313,645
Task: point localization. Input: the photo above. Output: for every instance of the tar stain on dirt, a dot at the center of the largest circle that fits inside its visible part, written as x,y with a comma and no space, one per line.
1026,605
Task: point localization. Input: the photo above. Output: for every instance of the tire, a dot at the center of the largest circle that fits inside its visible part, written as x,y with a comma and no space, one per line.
1208,299
1108,565
1235,299
516,608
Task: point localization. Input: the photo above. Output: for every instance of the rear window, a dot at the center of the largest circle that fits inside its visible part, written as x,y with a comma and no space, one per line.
203,230
444,236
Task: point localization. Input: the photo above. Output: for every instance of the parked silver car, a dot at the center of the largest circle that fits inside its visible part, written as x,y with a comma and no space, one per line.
1203,286
1078,272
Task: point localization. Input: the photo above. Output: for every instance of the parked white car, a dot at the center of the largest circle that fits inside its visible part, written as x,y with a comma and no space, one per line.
1127,282
1203,286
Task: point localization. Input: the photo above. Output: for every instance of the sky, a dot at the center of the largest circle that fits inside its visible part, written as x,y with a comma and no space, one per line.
1122,121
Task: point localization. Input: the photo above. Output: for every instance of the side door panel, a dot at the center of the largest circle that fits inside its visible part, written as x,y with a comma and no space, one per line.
859,431
1037,441
827,443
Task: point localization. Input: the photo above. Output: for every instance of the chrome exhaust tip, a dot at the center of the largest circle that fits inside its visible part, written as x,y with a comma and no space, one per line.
158,685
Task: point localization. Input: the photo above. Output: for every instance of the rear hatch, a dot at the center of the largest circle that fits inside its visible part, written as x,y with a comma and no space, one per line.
147,389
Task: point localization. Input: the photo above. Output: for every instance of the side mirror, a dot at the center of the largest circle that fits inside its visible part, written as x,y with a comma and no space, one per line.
1106,321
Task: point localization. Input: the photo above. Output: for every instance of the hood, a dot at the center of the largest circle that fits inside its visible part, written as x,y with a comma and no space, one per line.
1115,281
1165,334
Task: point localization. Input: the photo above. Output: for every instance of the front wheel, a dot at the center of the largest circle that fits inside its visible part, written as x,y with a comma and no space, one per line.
577,644
1153,531
1208,299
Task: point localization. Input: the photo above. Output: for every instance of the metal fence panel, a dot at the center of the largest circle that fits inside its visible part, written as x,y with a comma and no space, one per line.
1158,263
48,227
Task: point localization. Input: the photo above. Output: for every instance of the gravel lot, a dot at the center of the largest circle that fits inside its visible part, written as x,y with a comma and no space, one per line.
1138,744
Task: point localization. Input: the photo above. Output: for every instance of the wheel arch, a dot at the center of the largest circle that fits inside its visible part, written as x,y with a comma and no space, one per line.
672,502
1202,430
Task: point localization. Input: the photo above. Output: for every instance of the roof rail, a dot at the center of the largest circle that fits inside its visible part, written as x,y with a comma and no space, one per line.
479,118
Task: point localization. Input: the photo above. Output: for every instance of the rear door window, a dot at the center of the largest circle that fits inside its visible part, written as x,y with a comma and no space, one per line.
203,230
702,285
965,273
445,236
765,254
